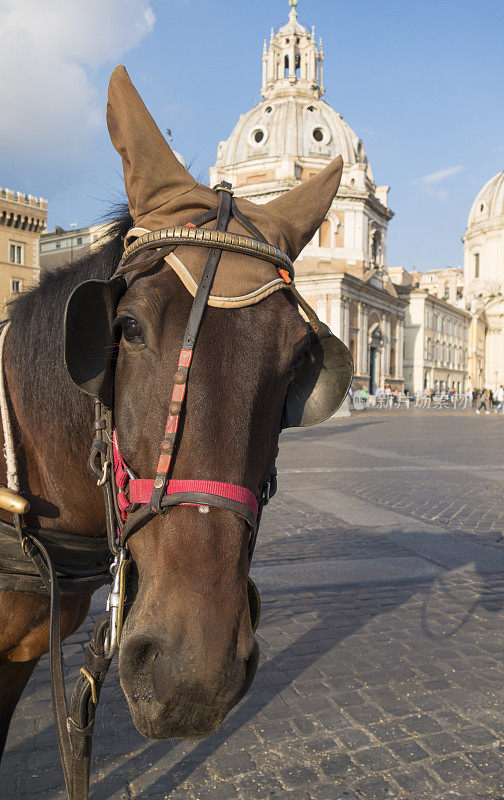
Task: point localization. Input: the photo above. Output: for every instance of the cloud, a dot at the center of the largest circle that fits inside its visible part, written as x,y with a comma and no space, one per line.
430,183
48,51
439,176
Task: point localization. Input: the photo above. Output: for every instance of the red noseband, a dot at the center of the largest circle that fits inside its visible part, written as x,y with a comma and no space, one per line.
182,492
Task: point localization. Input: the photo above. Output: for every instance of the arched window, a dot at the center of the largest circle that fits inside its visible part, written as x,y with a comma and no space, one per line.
286,67
325,234
476,265
298,66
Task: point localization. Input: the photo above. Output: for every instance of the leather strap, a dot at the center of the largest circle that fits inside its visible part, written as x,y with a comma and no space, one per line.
191,334
81,563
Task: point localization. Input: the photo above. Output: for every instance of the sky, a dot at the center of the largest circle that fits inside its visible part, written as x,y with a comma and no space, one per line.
420,81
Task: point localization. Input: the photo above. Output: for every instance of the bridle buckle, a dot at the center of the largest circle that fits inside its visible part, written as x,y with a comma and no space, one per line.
87,675
115,601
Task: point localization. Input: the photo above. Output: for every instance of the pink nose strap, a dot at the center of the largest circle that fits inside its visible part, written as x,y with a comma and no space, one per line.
181,492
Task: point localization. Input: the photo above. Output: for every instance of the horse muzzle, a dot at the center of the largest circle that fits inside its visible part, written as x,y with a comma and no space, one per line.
172,692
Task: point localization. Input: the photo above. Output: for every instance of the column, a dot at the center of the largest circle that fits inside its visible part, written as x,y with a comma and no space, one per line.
346,321
336,316
400,349
365,336
361,367
322,307
292,59
386,344
358,351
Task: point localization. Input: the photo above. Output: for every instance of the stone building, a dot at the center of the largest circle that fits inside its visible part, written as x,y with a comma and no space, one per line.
436,341
59,247
23,217
288,137
484,282
447,283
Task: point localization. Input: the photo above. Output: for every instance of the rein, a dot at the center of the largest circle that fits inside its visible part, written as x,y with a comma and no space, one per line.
130,502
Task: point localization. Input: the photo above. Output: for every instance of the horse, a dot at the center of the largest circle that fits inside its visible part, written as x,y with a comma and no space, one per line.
187,650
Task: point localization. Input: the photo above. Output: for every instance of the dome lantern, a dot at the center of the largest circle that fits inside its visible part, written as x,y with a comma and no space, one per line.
292,63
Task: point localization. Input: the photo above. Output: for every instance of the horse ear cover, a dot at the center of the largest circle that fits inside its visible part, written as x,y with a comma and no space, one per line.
90,336
321,381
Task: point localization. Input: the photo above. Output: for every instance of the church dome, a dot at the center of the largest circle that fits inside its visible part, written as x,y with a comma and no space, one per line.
292,133
298,126
488,206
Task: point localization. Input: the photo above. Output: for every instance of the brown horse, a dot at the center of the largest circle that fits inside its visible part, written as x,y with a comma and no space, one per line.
187,653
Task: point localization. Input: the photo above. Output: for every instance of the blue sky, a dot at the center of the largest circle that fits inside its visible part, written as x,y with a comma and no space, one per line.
420,82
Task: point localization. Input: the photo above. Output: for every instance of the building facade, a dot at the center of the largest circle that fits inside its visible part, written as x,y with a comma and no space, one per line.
23,217
484,280
288,137
436,343
447,283
61,247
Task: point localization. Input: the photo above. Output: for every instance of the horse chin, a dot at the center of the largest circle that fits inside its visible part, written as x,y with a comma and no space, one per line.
160,727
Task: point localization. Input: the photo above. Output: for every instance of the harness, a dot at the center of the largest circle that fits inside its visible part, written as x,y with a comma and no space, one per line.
51,562
130,502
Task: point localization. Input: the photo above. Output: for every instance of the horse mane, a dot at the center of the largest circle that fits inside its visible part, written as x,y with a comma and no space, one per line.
36,329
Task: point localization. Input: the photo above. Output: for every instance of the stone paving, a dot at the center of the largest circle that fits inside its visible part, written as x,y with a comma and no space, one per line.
381,672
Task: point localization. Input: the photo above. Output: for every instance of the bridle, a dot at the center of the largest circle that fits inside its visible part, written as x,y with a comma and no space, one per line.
130,502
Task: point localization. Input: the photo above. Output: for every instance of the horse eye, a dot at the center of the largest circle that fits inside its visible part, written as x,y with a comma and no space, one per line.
131,330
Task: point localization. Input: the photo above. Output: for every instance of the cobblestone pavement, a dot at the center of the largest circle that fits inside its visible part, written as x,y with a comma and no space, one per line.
381,672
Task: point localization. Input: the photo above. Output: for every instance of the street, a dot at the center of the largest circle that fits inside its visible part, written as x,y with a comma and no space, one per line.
382,635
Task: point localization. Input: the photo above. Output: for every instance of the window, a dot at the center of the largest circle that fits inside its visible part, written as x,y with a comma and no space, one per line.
58,245
286,66
15,285
325,234
476,265
318,134
79,239
16,253
446,291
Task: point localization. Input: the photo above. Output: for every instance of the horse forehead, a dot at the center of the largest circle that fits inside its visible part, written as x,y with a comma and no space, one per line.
163,299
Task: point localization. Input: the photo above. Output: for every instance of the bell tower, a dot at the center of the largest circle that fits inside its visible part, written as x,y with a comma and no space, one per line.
292,64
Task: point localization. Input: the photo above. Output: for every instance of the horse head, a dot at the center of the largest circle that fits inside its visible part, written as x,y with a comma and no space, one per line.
188,652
